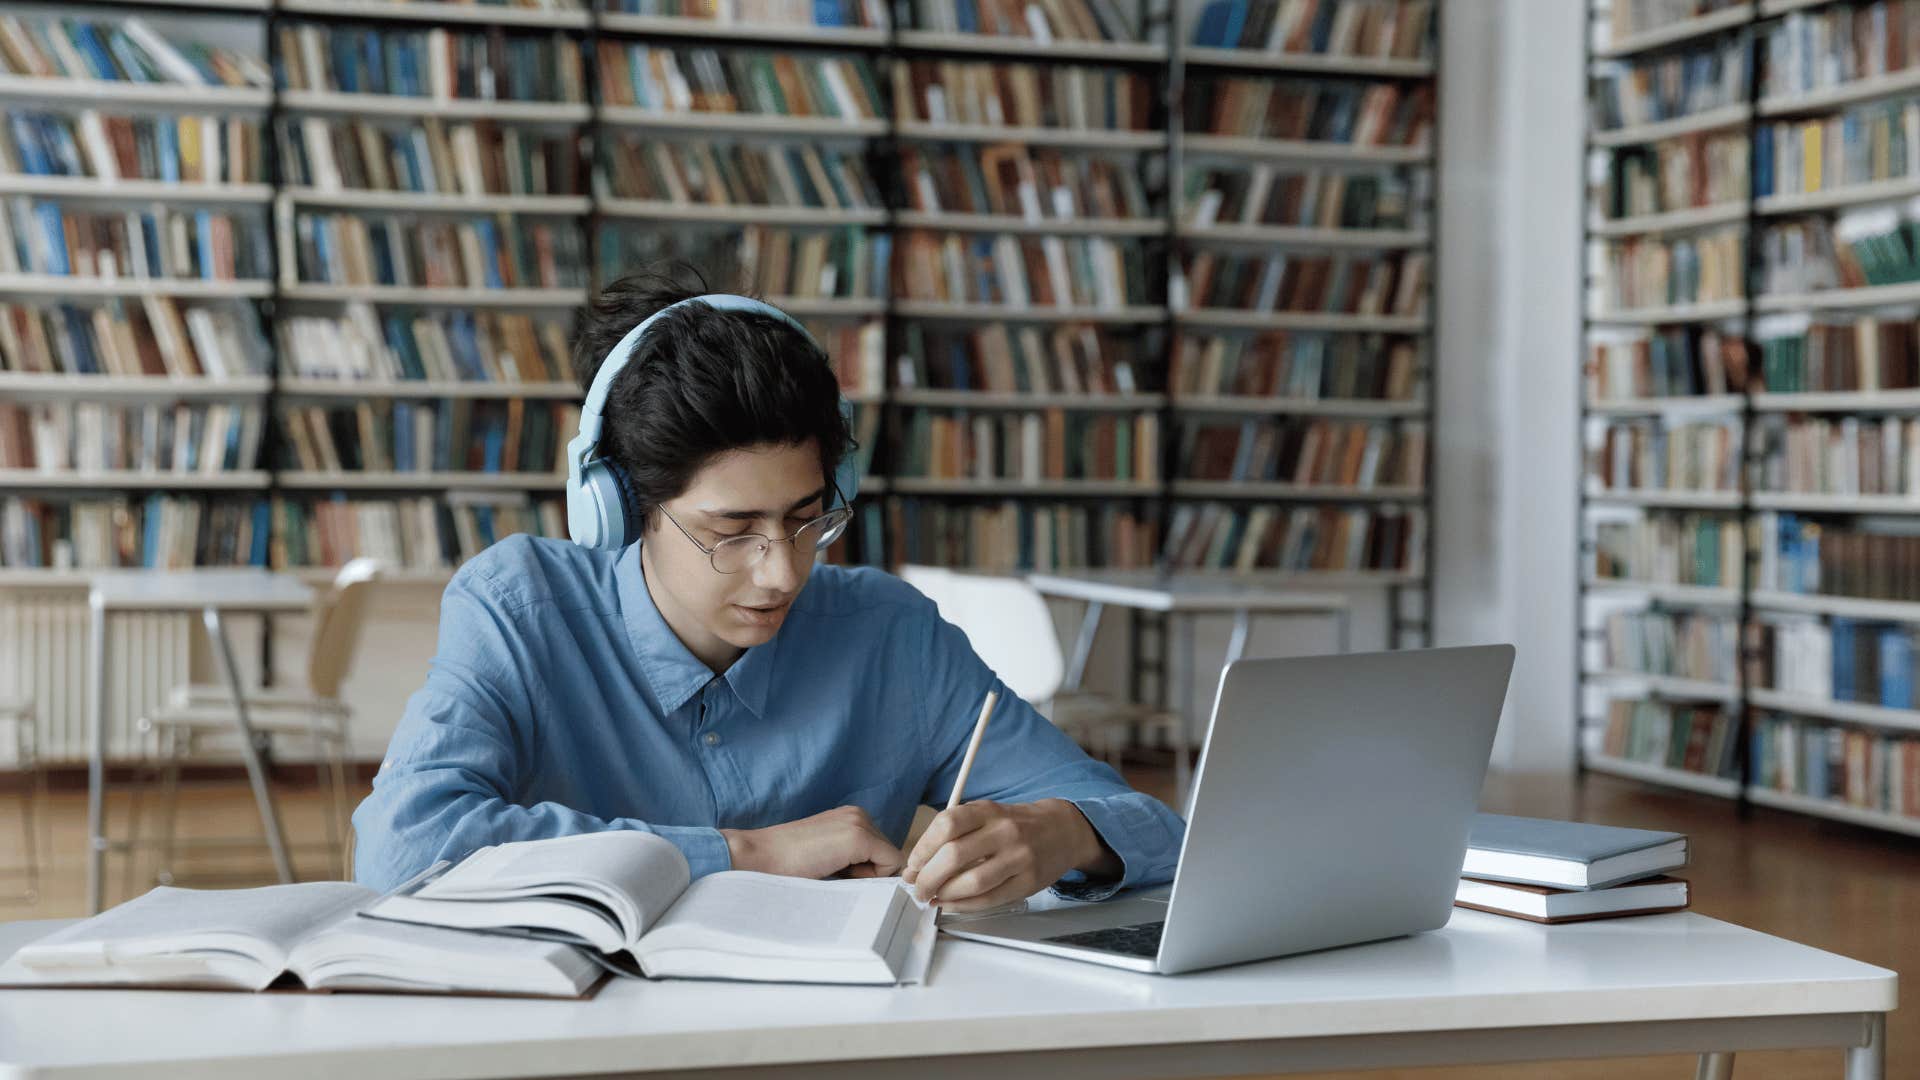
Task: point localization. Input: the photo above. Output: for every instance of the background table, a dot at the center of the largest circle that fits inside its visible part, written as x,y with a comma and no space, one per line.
1182,598
212,593
1485,989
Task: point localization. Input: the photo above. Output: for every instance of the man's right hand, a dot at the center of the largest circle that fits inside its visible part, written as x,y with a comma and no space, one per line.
843,839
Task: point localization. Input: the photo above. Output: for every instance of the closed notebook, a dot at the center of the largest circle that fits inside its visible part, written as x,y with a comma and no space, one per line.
1567,854
627,894
1537,903
248,939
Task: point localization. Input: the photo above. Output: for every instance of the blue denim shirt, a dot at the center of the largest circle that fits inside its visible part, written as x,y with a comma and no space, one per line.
560,702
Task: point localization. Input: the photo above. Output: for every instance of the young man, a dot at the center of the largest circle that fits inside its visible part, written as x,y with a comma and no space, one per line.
712,685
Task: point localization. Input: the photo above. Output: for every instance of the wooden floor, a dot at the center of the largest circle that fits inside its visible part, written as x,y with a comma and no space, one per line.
1851,891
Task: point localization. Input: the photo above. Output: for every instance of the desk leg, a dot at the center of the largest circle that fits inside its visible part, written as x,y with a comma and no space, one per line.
249,750
1869,1062
1182,709
1083,646
96,754
1715,1066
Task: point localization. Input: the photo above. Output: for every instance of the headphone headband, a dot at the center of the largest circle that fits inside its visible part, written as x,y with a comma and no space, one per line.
600,513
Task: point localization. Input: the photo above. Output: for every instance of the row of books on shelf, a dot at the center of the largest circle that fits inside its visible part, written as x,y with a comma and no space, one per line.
155,336
1070,358
698,79
1838,659
1674,361
360,344
1867,143
1348,113
1048,444
1798,555
123,50
1670,549
1214,536
210,149
869,14
1296,366
1694,645
1690,737
1690,171
1849,766
1826,47
1853,455
88,437
1317,453
1658,271
997,94
844,263
435,532
481,252
457,435
1382,29
1309,282
1039,20
41,236
1627,18
1006,537
159,532
1267,194
741,174
1643,455
1017,180
1668,85
1020,271
428,156
1862,247
1864,354
438,63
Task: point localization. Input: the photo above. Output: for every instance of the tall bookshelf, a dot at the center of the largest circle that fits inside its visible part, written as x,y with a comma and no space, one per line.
1124,433
1745,615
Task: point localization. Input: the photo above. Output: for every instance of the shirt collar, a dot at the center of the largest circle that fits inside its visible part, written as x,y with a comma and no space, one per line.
670,668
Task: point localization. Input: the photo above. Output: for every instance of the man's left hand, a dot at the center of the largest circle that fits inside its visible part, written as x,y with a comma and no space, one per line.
980,855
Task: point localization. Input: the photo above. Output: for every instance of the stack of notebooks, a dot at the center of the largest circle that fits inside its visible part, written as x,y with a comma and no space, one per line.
1567,871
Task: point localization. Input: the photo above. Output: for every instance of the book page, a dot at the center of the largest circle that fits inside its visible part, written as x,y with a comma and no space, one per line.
636,874
262,924
782,916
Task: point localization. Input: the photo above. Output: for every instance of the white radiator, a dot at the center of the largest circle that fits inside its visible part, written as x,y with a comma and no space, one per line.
43,656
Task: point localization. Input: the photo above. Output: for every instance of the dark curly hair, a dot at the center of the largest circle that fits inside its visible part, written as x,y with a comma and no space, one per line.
702,382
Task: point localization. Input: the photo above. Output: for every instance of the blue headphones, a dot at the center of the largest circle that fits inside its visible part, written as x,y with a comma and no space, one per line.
601,510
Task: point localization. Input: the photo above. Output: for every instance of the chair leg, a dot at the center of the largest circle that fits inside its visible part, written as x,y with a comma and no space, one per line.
32,791
325,745
169,807
136,812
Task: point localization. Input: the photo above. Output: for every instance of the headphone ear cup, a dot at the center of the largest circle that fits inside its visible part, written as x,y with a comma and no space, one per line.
625,503
596,519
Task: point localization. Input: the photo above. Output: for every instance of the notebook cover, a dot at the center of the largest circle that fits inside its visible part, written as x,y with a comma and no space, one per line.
1572,841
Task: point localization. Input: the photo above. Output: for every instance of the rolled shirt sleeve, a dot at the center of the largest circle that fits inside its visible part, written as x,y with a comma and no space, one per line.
1024,758
447,785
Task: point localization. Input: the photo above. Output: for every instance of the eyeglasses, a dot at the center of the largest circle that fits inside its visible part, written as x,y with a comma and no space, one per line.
744,552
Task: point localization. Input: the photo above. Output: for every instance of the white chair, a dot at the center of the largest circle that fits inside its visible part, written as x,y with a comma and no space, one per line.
19,712
197,717
1009,625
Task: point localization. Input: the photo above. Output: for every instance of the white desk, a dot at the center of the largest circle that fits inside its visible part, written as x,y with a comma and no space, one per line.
211,593
1181,597
1485,989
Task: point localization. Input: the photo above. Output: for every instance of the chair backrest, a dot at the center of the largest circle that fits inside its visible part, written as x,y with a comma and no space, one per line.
1007,622
336,633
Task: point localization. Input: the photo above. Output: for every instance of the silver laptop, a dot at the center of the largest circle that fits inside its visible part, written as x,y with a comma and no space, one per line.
1331,806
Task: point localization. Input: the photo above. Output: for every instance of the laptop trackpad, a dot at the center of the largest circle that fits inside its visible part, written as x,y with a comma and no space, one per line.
1071,918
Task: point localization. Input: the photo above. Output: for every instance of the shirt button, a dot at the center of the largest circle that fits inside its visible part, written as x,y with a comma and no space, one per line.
712,738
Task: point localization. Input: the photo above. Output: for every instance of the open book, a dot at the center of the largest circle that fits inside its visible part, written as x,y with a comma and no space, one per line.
629,892
246,939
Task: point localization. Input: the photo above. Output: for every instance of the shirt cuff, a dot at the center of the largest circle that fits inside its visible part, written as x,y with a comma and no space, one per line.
706,850
1123,824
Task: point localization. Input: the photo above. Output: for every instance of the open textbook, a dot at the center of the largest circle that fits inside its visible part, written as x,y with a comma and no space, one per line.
543,910
629,892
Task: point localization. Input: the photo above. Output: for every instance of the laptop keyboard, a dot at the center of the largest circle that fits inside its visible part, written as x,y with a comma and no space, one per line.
1140,939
